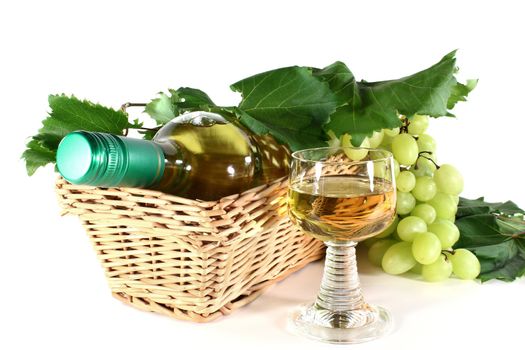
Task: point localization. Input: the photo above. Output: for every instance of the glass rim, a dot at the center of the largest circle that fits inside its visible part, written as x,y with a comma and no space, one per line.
295,155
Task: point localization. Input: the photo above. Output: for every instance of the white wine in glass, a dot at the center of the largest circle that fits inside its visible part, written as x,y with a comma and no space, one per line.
342,207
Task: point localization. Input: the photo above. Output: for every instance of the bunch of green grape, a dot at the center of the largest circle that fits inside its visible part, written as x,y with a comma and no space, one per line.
421,237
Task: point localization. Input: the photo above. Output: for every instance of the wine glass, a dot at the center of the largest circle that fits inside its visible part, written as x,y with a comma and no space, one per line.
341,196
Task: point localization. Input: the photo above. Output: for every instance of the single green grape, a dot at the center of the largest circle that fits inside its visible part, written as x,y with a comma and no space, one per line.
405,181
425,212
391,132
418,124
437,271
465,264
425,189
351,152
424,166
404,148
426,143
376,138
398,258
409,227
405,203
446,231
448,180
378,250
426,248
389,230
444,204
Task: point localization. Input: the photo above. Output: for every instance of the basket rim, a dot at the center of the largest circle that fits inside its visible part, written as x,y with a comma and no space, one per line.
60,180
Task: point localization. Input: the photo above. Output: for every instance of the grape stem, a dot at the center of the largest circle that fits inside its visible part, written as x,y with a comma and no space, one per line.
126,105
444,252
422,155
404,127
124,108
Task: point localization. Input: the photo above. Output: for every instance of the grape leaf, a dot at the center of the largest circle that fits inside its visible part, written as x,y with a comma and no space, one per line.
495,233
69,114
163,108
37,155
301,106
460,92
191,98
479,206
343,84
166,107
340,80
284,133
289,102
380,103
360,124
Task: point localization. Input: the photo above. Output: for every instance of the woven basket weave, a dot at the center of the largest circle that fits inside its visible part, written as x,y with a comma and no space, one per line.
189,259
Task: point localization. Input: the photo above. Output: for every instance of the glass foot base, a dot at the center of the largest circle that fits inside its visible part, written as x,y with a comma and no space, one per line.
346,327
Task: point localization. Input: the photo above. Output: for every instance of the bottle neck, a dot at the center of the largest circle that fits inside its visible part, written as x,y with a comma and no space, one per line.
145,163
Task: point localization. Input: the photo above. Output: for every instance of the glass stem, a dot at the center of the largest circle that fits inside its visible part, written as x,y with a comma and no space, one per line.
340,287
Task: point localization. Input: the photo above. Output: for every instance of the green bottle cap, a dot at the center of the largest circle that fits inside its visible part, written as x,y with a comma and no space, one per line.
106,160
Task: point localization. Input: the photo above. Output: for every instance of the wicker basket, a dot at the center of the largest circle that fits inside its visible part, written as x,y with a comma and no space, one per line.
189,259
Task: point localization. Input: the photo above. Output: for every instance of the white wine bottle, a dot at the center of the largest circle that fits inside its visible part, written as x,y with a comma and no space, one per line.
199,155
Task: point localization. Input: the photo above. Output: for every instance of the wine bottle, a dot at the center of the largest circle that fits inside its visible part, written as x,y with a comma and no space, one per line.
199,155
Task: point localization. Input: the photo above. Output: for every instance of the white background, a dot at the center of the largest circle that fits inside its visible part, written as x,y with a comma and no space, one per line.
53,293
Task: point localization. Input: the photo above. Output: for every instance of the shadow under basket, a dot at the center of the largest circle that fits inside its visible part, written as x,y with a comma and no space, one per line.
189,259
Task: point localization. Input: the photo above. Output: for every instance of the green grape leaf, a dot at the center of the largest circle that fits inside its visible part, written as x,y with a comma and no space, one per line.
37,155
163,108
495,233
377,105
291,103
478,206
191,98
308,137
460,92
167,106
70,114
360,124
504,261
340,80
